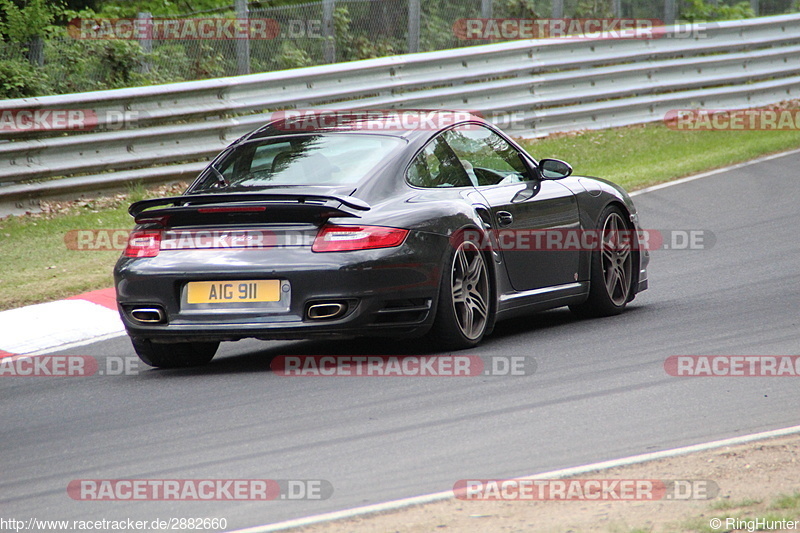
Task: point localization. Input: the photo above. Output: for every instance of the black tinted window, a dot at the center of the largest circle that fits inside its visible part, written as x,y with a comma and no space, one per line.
329,159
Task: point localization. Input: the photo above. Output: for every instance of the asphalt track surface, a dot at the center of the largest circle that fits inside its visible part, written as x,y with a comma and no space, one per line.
600,391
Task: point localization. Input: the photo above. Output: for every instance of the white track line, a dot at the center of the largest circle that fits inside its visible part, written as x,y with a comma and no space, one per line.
566,472
78,344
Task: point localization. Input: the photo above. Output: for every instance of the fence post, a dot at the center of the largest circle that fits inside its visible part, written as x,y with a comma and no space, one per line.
243,45
670,12
144,20
35,52
755,6
486,9
616,8
558,9
328,32
413,26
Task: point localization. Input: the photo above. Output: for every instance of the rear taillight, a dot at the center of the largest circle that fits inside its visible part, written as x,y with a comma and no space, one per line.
347,238
143,243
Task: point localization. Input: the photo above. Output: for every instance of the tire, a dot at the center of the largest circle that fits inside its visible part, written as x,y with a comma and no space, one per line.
611,276
463,309
174,354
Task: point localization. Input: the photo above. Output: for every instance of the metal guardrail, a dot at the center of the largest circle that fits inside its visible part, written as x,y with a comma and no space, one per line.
548,85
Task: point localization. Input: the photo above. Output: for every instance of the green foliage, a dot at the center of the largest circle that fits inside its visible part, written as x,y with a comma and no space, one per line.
168,8
594,9
341,25
363,47
33,20
119,61
703,10
516,9
290,56
350,47
89,65
436,30
158,8
361,30
177,62
20,79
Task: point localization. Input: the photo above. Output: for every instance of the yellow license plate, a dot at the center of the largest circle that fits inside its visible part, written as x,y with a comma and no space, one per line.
225,292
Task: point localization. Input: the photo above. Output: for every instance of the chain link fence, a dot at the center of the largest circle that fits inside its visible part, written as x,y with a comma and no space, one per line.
312,33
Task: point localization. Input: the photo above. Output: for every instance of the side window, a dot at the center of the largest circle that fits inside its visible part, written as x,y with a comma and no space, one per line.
437,166
487,157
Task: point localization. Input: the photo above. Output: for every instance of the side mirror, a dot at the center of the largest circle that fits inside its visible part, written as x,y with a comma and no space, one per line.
554,169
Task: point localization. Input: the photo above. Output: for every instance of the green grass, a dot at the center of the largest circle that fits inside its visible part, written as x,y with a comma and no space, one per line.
726,505
36,266
639,156
783,507
787,503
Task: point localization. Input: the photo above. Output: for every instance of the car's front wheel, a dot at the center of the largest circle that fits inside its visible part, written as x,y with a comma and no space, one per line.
174,354
611,269
464,306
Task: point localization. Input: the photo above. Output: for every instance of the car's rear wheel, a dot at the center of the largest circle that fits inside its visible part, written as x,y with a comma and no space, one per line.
612,268
174,354
464,306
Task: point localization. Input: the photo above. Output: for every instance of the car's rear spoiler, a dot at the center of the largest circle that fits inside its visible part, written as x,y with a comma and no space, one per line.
271,206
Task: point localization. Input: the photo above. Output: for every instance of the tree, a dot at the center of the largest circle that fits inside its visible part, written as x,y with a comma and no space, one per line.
29,25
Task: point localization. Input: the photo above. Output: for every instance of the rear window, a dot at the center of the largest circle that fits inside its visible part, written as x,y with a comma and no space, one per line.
329,159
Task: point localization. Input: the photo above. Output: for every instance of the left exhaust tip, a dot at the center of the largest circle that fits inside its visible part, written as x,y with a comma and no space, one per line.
147,315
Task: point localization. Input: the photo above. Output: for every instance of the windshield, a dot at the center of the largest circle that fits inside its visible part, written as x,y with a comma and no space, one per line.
327,159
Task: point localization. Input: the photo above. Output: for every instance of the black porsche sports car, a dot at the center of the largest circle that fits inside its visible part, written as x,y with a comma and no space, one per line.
369,226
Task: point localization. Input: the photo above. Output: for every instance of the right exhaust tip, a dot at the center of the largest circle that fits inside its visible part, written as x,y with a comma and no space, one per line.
327,310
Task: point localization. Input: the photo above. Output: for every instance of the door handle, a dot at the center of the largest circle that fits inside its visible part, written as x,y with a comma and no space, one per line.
504,218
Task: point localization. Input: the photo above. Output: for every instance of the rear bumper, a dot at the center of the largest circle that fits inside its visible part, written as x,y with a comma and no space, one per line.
387,292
